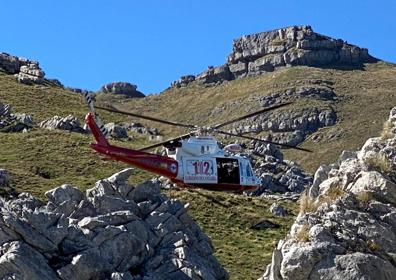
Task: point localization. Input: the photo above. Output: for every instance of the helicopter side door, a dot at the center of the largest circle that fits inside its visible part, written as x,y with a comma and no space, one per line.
199,170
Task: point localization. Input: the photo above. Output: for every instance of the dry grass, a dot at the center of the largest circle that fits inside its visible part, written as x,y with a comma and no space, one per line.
308,204
364,197
332,194
387,132
380,163
373,246
302,234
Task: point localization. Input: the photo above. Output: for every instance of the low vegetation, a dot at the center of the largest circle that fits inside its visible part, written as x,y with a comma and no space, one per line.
302,234
372,245
332,194
364,197
308,204
380,163
387,131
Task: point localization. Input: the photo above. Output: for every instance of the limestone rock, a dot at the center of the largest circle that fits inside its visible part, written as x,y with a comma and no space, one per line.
268,51
115,231
277,210
30,74
14,122
123,88
26,71
347,226
277,175
183,81
116,131
69,123
20,261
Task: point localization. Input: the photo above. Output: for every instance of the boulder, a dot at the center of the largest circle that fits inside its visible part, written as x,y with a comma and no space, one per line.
277,210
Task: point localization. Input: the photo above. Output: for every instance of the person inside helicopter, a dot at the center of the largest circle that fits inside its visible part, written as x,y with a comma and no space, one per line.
228,170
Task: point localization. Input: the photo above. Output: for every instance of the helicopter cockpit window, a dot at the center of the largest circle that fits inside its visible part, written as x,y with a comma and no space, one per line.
228,170
208,149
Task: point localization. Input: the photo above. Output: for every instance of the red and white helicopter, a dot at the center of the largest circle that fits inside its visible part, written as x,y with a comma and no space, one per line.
193,160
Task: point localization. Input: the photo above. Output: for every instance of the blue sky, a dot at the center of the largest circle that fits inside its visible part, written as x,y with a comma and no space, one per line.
151,43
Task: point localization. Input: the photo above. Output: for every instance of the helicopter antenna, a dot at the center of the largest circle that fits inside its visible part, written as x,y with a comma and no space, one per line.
90,101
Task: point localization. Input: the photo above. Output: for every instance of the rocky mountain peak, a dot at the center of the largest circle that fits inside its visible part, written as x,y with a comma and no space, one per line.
122,88
267,51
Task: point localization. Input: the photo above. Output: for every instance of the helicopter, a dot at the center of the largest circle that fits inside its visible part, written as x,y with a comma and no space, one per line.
192,160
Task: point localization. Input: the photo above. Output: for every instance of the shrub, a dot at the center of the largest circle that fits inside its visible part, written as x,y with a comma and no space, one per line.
363,197
307,204
302,234
379,162
387,132
374,246
332,194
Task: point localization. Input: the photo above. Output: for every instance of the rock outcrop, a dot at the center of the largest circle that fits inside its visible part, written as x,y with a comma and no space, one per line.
346,228
277,174
114,231
288,126
69,123
26,71
267,51
122,88
116,131
14,122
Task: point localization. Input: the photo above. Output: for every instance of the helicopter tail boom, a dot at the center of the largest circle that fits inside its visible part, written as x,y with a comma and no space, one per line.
158,164
97,133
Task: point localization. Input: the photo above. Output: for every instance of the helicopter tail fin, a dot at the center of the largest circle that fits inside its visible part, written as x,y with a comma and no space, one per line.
92,119
96,130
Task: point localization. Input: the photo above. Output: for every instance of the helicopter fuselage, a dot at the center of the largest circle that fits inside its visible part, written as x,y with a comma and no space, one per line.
198,162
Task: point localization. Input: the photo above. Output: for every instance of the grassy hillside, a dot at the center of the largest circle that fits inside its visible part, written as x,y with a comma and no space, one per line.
364,98
42,159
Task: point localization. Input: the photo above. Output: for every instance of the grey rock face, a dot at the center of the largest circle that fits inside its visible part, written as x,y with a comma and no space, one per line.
123,88
289,127
277,175
116,131
115,231
26,71
14,122
183,81
347,228
20,261
30,74
69,123
267,51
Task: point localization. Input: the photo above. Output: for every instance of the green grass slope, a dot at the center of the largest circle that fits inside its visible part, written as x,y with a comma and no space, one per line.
43,159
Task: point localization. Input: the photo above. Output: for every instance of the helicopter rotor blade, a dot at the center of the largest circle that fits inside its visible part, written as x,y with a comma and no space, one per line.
115,110
181,137
251,115
264,141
